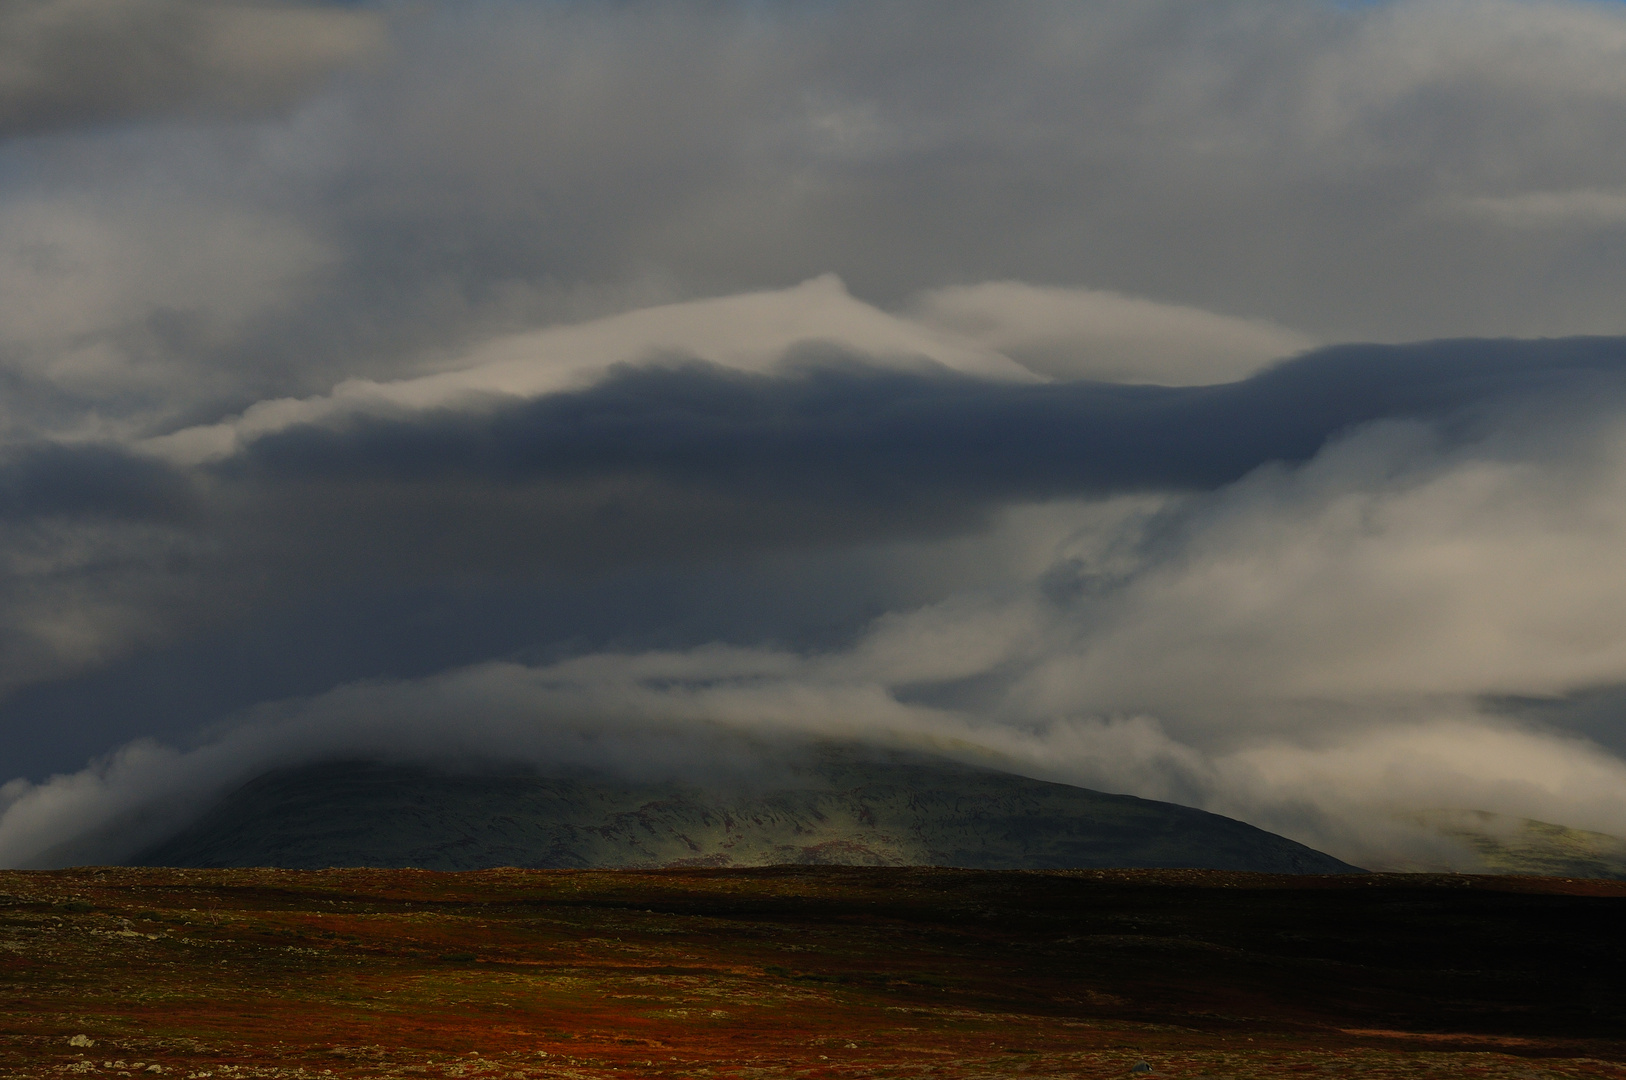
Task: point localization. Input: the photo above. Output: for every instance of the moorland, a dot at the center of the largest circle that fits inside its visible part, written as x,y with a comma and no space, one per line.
808,971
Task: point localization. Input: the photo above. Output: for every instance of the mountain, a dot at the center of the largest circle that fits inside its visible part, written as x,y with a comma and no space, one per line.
1515,845
849,811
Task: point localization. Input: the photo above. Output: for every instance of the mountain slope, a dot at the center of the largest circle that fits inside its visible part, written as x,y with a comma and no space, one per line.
876,813
1515,845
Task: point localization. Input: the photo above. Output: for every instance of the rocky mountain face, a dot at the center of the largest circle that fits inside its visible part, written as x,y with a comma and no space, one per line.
855,812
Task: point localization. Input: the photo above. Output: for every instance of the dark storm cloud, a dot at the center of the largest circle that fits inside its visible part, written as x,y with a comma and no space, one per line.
671,464
843,435
70,63
56,482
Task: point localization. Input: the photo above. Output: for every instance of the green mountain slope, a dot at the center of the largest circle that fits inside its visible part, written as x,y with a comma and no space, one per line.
1514,845
876,813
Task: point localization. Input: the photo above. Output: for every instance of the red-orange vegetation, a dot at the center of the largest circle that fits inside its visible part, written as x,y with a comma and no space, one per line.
807,972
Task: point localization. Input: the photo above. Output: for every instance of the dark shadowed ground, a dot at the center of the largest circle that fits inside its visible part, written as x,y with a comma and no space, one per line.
808,971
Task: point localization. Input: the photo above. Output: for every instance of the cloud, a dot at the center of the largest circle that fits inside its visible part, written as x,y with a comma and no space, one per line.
1313,638
1231,157
518,166
70,63
751,333
492,358
675,467
592,720
53,481
1361,785
724,714
1092,334
1391,566
124,307
847,424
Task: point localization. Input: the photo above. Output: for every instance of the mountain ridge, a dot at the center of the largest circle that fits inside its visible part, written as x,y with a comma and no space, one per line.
875,813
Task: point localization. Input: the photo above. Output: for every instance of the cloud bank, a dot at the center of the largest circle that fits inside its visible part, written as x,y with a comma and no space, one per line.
1221,402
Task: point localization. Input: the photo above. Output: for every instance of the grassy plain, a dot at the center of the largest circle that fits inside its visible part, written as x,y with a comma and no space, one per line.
820,972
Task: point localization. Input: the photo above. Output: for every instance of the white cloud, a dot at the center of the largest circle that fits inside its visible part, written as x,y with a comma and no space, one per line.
1094,334
1003,331
1391,567
754,332
1450,760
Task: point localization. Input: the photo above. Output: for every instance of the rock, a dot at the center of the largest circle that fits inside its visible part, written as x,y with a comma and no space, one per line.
81,1040
1140,1067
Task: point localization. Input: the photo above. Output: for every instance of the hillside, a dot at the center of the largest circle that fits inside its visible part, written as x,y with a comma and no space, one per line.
840,811
1513,845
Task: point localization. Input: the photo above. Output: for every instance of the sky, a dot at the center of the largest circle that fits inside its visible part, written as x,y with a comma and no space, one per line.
1221,402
